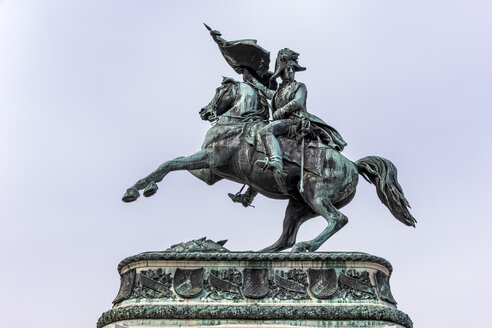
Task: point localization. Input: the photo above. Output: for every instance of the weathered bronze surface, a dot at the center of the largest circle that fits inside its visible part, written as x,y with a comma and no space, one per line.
126,286
188,283
152,284
289,284
295,156
209,315
323,283
255,283
382,281
202,281
222,284
362,284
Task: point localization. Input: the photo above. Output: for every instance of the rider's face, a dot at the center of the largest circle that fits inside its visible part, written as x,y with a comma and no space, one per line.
288,74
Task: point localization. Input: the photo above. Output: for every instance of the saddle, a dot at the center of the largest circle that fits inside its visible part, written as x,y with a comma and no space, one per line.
314,150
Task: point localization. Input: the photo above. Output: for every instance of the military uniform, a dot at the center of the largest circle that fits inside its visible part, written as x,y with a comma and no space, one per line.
290,116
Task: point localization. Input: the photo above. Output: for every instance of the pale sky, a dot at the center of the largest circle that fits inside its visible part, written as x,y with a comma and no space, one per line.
96,94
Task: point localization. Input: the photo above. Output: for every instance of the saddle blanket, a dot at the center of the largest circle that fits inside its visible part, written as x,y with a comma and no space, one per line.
314,151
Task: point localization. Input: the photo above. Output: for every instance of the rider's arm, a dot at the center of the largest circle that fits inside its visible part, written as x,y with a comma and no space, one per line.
296,103
268,92
249,78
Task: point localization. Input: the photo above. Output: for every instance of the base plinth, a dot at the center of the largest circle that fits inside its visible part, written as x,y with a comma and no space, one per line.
204,285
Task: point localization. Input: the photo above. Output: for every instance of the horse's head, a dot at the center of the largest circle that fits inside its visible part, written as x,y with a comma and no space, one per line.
223,100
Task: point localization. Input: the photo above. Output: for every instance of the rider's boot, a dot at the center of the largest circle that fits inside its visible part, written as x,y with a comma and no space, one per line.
274,162
245,199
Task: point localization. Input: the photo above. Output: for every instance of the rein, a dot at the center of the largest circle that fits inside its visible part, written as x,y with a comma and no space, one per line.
214,109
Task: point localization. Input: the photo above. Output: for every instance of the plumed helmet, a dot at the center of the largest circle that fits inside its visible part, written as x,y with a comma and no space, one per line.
285,58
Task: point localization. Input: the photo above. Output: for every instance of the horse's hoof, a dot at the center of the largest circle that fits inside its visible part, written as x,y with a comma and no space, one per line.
273,248
150,189
267,250
130,195
300,248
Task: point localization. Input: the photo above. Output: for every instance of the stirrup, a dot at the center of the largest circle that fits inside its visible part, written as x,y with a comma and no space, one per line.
263,163
241,199
236,198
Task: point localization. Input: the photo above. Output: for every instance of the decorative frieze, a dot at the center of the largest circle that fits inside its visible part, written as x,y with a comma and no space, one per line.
268,284
200,283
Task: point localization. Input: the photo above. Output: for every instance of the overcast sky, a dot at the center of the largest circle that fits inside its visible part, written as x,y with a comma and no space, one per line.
96,94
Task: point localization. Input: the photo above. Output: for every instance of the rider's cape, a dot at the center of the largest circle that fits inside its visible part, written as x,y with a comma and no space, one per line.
326,133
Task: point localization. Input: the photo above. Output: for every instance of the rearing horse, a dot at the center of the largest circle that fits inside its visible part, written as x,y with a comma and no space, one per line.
238,106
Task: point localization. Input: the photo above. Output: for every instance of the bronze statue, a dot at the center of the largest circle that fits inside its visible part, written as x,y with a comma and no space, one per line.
303,161
290,114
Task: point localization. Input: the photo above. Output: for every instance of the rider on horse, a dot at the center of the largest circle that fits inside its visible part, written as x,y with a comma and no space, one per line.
231,148
290,115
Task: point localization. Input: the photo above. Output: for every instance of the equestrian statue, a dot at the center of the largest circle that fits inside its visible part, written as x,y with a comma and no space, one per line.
295,156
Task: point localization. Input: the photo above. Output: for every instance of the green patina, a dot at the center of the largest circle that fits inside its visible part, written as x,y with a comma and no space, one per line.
216,313
327,257
323,287
264,137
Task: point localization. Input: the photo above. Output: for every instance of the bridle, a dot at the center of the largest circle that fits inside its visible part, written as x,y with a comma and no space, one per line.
223,91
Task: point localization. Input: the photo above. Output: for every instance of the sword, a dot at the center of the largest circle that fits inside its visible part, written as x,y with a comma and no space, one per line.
301,189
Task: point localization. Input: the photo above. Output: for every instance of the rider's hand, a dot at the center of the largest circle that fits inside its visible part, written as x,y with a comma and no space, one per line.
279,113
305,124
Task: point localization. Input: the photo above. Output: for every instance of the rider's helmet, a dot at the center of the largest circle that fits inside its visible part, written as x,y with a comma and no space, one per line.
285,58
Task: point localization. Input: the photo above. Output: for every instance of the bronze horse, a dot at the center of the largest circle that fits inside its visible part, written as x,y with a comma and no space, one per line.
238,107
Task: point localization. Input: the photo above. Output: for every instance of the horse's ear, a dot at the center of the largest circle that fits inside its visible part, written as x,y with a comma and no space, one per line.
227,80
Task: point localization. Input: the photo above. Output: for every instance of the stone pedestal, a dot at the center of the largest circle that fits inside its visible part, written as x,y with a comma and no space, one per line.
201,284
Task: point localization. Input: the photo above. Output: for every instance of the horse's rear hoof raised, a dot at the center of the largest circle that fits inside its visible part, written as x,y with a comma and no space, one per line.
130,195
150,189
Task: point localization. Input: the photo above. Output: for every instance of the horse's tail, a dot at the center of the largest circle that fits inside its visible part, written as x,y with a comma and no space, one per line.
382,173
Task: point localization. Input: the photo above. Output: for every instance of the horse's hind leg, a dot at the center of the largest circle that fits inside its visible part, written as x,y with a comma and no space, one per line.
201,160
321,204
296,213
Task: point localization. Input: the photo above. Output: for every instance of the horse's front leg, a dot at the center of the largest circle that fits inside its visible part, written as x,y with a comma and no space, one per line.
202,160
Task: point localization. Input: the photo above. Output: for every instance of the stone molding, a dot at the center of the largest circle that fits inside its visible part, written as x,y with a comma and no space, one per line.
211,287
255,313
252,256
